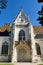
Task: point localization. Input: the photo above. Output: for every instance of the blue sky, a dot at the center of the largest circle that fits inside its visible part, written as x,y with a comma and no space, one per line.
30,7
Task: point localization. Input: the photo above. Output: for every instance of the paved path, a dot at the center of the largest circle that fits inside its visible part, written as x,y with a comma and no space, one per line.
27,63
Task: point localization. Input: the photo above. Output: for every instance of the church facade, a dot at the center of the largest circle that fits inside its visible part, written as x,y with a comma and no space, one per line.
21,42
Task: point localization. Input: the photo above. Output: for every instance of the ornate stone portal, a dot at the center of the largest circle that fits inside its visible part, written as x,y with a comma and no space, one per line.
23,53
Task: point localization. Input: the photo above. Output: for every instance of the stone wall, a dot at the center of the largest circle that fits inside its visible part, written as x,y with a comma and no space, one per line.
40,42
2,40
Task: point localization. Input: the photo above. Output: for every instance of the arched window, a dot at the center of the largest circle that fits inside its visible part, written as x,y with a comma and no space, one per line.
21,35
4,48
38,49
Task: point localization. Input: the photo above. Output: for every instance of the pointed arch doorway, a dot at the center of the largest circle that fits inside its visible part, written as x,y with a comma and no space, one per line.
23,53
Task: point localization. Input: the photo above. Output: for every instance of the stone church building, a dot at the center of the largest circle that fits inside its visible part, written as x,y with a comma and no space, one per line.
20,41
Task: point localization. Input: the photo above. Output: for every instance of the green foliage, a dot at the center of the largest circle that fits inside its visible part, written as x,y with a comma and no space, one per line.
3,4
40,18
40,1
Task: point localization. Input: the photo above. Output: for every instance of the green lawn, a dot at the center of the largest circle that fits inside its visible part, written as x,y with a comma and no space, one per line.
40,64
6,64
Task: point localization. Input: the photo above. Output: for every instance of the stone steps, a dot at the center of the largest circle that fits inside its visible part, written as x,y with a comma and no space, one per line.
20,63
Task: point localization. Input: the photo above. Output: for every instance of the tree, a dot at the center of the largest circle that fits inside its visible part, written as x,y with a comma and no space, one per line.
3,4
40,13
40,18
40,1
